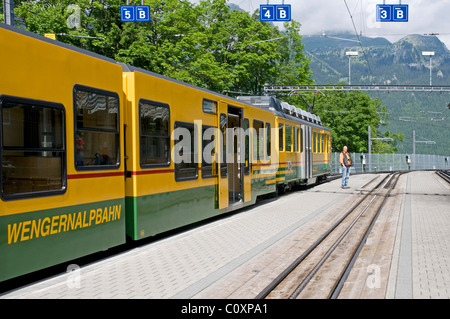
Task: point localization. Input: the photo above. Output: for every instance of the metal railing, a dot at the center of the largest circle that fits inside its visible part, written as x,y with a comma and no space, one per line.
391,162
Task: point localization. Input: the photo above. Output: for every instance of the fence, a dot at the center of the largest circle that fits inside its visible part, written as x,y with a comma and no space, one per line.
391,162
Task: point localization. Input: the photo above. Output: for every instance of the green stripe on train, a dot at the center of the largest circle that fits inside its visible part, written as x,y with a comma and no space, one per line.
149,215
39,239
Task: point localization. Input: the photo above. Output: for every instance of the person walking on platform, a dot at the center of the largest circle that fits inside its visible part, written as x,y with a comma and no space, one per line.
346,162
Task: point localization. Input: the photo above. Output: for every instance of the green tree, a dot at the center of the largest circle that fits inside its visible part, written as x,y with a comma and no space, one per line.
207,44
349,114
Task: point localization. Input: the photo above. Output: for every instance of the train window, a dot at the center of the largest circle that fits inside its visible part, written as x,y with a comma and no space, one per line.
301,139
247,147
314,141
258,140
185,154
97,138
295,139
209,106
154,133
288,133
268,141
32,150
280,136
209,163
321,143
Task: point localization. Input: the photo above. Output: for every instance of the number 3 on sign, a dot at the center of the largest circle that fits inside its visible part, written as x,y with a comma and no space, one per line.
384,13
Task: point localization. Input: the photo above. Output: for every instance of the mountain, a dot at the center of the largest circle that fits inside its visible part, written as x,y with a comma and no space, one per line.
388,63
398,63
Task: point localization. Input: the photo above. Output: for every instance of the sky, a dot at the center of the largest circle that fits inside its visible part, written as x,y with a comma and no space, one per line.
332,17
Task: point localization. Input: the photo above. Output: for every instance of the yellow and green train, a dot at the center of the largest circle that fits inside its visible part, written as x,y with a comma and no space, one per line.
90,152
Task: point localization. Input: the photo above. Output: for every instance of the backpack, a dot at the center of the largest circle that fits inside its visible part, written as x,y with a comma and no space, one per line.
347,159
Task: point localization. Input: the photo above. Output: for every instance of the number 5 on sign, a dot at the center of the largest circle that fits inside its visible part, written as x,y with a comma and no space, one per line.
127,14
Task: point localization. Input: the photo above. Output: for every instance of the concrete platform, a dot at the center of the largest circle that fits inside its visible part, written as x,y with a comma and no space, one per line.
420,268
198,262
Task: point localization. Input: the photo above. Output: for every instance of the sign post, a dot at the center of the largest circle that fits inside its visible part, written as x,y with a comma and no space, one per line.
392,12
135,13
127,14
272,12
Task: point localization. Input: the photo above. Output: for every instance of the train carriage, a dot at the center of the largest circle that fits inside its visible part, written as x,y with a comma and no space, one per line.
164,192
60,140
302,144
94,152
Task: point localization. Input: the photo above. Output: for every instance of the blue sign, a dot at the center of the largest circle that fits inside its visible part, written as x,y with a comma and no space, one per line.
135,13
267,12
283,12
400,13
143,13
392,13
127,14
271,12
384,13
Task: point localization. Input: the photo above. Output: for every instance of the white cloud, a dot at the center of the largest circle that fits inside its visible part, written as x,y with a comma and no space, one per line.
316,16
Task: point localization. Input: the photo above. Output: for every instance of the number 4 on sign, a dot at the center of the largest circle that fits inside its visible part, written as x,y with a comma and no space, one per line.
275,12
267,13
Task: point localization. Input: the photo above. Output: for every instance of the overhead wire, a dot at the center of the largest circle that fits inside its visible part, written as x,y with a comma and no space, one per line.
359,40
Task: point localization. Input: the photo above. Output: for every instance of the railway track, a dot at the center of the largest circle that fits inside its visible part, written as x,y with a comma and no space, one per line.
444,174
322,269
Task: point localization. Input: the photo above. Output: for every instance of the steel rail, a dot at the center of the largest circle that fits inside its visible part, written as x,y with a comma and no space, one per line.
340,284
308,278
269,288
445,175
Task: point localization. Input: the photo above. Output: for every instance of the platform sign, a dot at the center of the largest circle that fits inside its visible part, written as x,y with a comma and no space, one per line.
392,13
283,12
267,12
127,14
135,13
272,12
143,13
400,13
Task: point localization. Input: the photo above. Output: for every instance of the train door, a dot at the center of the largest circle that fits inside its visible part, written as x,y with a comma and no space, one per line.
230,184
222,185
234,163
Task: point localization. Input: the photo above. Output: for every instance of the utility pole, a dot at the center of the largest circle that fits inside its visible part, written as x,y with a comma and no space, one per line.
8,11
350,54
430,54
414,150
370,149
